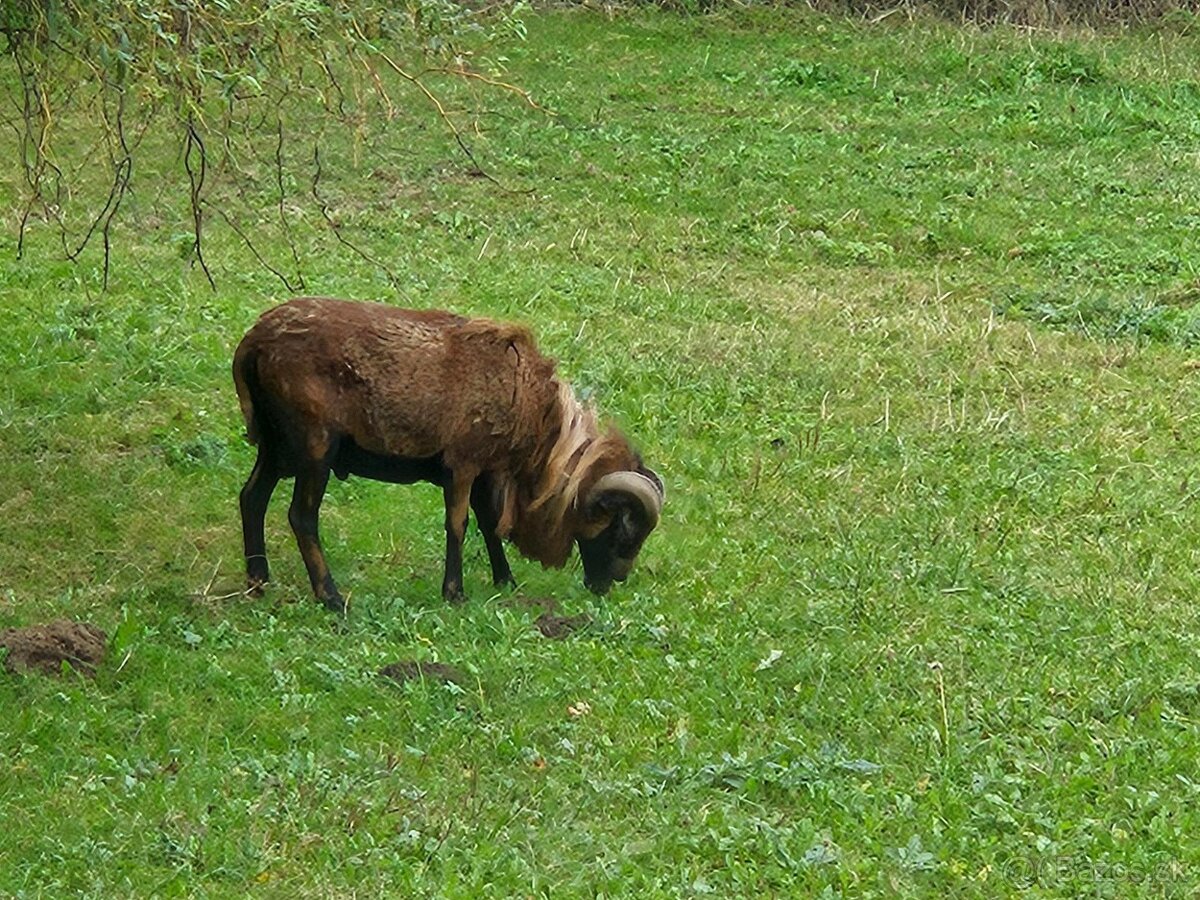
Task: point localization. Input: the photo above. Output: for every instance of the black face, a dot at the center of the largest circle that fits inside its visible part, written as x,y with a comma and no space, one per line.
609,555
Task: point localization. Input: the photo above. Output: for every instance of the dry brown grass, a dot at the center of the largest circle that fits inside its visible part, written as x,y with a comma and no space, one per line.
1029,13
1038,13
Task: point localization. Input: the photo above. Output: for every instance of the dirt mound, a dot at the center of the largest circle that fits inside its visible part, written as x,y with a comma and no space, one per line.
542,604
549,623
46,647
401,672
560,627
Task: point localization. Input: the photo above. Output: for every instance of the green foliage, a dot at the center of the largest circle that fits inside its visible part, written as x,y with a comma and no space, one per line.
903,313
205,72
180,50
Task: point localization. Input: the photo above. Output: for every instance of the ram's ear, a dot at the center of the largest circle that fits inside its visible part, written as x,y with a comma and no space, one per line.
594,525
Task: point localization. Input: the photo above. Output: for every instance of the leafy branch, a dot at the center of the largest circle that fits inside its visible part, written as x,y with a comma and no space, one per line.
94,79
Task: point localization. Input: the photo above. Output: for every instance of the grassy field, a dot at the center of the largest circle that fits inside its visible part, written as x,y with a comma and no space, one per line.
903,314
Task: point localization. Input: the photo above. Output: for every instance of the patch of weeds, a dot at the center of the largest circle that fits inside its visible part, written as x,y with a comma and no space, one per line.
459,223
680,152
1184,695
1067,64
1128,698
201,451
1050,64
913,856
850,251
1105,316
798,73
780,770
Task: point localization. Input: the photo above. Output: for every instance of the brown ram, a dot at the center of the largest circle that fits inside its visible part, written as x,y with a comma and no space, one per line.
470,405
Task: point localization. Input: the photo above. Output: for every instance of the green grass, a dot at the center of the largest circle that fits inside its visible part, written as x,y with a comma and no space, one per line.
902,313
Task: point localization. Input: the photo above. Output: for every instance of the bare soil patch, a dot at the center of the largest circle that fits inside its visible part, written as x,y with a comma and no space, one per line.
549,623
560,627
409,670
541,604
44,648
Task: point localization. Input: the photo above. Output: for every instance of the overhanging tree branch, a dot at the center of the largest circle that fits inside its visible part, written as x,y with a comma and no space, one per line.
231,83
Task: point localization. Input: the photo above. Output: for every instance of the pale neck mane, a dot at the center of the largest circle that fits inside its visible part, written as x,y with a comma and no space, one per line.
559,474
570,457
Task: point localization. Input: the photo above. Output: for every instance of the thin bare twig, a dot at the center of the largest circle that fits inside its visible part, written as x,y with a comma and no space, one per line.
463,72
333,225
253,249
196,179
341,96
123,170
287,229
441,110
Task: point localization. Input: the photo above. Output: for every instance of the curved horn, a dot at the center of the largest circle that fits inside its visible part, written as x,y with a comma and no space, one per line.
658,483
646,491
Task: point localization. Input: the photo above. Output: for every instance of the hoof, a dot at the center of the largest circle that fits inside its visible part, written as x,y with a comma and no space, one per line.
335,604
255,588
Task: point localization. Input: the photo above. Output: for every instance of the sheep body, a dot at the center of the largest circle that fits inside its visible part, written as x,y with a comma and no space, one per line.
410,395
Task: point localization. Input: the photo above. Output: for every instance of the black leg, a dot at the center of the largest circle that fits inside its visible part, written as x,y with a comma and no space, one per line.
255,496
487,518
306,503
457,491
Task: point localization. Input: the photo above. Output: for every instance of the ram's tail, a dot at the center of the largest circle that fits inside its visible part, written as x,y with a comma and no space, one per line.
245,380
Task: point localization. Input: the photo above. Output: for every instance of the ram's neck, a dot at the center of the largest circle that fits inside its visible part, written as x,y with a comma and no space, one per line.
541,508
